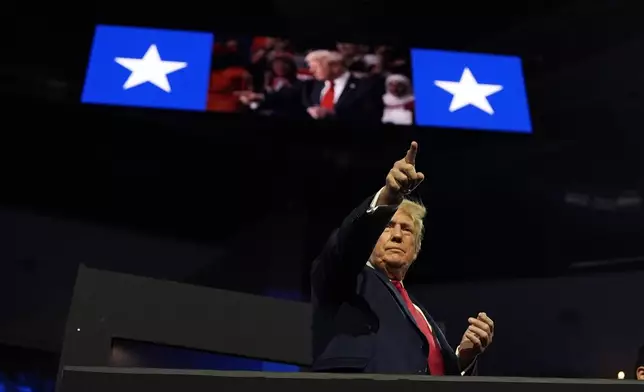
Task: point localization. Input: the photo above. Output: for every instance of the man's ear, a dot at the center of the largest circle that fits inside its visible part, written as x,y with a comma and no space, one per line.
639,373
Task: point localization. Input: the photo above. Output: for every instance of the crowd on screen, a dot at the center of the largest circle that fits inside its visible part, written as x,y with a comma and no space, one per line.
274,76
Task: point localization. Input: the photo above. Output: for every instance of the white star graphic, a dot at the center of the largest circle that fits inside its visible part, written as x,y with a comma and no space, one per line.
150,68
468,92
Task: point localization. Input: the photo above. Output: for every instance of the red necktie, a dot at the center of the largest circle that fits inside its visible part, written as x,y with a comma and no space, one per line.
328,97
435,359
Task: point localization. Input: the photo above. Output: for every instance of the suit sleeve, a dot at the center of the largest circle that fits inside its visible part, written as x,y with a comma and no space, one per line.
348,248
286,102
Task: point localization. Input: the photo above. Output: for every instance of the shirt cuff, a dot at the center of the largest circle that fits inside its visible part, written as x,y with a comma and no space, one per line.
374,202
469,367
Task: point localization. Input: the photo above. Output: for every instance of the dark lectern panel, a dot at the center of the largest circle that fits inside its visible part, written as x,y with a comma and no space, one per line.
109,305
76,379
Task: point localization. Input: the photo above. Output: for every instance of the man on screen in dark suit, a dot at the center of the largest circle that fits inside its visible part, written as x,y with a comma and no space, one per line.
336,93
363,318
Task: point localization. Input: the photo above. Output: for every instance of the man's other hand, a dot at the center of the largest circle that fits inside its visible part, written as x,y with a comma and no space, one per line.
318,112
477,338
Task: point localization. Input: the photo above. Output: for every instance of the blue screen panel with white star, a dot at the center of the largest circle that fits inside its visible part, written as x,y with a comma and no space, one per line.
132,66
468,90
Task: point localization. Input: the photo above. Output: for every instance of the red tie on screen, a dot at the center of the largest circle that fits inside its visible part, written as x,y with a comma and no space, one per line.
435,359
328,97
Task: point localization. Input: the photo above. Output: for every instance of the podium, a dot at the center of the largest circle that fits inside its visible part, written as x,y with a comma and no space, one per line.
104,379
108,306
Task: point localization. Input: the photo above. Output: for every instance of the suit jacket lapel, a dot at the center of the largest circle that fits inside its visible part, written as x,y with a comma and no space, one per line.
349,89
438,333
446,349
398,297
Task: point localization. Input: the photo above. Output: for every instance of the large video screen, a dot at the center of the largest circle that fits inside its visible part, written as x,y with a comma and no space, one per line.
326,80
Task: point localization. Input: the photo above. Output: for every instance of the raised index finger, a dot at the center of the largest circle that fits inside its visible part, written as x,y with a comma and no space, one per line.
411,153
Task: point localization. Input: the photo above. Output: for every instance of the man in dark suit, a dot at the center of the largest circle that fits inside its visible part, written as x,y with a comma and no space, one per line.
363,318
337,94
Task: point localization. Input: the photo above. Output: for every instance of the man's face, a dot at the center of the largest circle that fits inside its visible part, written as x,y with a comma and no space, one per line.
395,250
640,373
319,69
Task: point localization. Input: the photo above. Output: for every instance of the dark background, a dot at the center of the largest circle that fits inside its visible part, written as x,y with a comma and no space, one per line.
245,204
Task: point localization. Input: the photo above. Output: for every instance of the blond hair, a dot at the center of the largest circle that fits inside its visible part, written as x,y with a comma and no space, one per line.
323,56
417,211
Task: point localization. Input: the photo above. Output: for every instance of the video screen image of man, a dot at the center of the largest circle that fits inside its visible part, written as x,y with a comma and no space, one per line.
364,320
321,81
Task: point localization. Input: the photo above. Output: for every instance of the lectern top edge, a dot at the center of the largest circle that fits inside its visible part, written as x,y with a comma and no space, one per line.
379,377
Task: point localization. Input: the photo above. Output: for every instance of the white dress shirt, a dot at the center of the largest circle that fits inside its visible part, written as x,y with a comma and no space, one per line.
339,84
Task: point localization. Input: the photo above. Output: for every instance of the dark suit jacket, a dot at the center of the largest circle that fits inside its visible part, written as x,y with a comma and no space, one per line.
360,321
361,99
286,102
